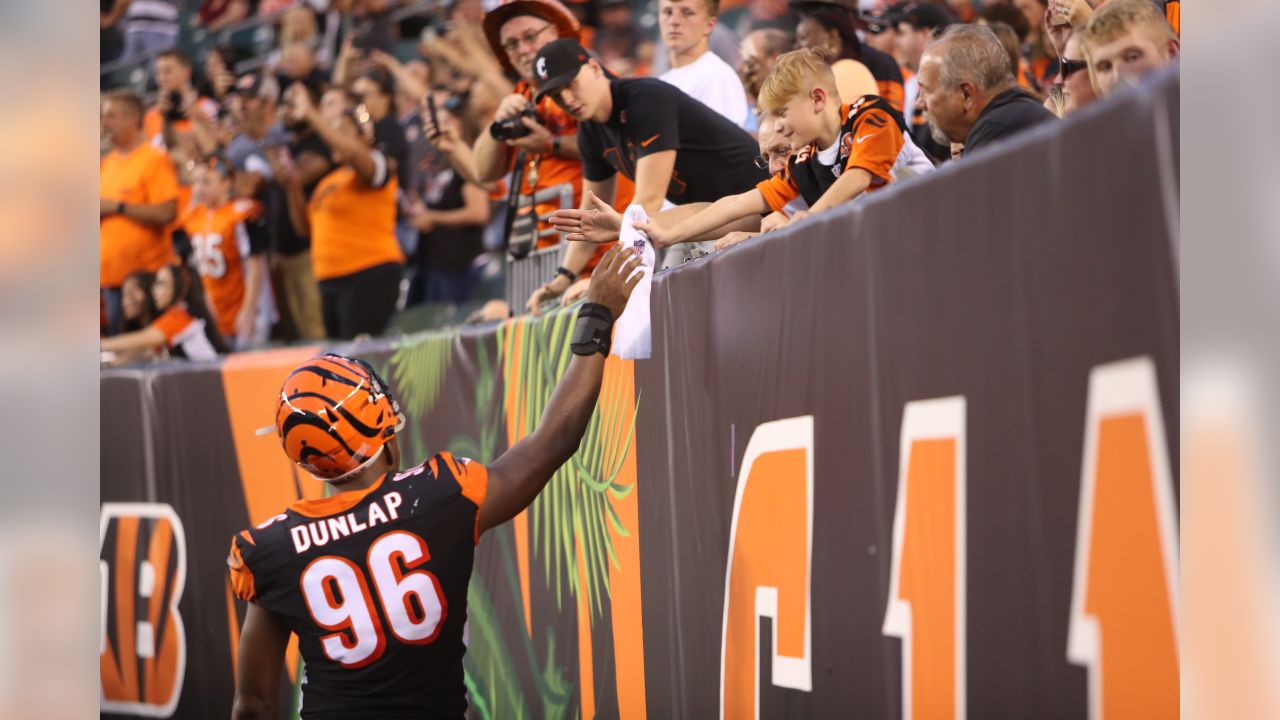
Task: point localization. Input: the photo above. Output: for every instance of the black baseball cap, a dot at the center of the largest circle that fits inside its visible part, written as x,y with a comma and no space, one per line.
886,20
923,16
556,65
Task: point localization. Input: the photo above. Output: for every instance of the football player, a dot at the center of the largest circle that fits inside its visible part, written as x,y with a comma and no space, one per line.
373,579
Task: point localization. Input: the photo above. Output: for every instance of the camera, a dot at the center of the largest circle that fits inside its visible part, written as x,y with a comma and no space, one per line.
174,113
512,128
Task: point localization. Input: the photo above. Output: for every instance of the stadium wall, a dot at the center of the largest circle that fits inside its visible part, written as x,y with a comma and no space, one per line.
918,459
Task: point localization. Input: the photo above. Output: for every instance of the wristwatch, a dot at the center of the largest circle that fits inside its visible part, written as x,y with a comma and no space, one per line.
555,145
571,275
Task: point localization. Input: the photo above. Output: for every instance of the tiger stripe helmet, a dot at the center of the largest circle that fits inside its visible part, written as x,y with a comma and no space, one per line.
334,416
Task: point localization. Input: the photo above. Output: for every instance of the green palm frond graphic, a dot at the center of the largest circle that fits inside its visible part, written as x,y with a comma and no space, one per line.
575,503
418,369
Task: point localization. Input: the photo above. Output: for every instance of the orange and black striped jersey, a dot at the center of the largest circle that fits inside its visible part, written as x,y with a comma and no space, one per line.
222,239
185,336
374,584
353,224
871,139
550,170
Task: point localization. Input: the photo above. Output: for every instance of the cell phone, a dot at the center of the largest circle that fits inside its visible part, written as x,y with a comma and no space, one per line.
431,112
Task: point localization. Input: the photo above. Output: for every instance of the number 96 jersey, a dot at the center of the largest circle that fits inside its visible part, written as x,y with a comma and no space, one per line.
374,584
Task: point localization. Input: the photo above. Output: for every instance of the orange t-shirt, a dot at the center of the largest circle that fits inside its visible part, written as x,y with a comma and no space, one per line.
220,244
870,139
1173,13
551,169
144,176
353,225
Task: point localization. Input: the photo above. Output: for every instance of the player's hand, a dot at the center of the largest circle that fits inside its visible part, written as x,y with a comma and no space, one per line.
538,140
598,223
511,106
550,289
734,238
575,292
614,279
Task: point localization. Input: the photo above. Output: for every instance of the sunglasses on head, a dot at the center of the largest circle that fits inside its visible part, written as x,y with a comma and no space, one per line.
1071,67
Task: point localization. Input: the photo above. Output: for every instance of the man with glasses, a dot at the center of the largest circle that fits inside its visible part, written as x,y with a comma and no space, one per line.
547,136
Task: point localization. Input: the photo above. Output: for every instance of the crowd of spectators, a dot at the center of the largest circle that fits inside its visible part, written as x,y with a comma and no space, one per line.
383,154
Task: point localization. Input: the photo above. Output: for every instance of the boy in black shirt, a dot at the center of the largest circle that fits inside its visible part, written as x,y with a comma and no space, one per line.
675,149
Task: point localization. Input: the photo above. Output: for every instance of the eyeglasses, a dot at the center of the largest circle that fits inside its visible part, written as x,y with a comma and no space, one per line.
781,153
514,43
1070,67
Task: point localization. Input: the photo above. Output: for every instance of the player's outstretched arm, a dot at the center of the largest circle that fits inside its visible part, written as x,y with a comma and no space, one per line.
262,645
517,477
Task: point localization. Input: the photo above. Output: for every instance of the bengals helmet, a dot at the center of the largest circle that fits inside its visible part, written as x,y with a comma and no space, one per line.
334,416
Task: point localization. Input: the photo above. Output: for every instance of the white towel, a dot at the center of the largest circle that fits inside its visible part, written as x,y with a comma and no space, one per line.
633,338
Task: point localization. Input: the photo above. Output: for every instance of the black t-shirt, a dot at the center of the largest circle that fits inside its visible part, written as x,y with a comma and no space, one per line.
448,249
1007,114
714,157
287,240
397,558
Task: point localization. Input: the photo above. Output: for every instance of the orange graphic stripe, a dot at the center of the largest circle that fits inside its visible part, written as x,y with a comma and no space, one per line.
159,669
1127,586
515,400
126,590
929,576
624,576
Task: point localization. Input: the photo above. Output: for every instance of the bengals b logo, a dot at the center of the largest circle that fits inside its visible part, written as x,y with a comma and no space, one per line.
142,647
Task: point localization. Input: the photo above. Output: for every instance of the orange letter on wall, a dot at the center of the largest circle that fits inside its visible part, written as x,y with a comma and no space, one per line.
770,552
1124,597
926,605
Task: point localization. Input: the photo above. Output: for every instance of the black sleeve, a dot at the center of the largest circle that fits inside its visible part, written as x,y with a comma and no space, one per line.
259,236
591,149
653,117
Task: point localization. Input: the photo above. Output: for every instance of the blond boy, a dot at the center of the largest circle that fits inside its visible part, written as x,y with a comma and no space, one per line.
1126,40
842,151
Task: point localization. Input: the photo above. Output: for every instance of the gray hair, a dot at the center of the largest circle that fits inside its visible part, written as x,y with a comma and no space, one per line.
971,53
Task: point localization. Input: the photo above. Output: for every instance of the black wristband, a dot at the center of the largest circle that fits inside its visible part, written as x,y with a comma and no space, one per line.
119,207
555,145
562,270
593,332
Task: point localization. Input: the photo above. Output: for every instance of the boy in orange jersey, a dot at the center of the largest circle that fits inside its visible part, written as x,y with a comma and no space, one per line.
842,151
228,247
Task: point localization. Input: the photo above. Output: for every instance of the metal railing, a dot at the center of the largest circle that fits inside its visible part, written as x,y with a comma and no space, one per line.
527,274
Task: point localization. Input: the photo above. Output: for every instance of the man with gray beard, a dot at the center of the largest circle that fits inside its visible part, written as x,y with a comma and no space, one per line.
969,90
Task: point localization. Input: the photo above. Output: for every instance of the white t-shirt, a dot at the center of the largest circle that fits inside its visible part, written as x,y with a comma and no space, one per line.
711,81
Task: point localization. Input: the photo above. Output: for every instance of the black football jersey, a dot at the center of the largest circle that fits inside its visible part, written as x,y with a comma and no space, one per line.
374,584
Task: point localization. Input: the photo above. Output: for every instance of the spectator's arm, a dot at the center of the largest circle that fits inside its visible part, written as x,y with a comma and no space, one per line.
311,167
851,183
202,128
155,214
722,212
492,158
460,155
576,254
117,12
262,644
291,183
404,80
238,10
653,176
346,54
254,279
350,147
148,338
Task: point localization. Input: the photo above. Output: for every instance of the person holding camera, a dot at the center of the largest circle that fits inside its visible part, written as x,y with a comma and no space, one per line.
540,135
178,105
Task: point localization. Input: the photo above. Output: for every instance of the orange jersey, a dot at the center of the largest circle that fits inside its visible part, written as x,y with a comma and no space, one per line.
870,139
550,170
222,239
144,176
1173,13
353,225
184,334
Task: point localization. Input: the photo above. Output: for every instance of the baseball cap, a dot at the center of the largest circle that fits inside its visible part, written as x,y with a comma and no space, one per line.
261,85
886,19
922,16
557,65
